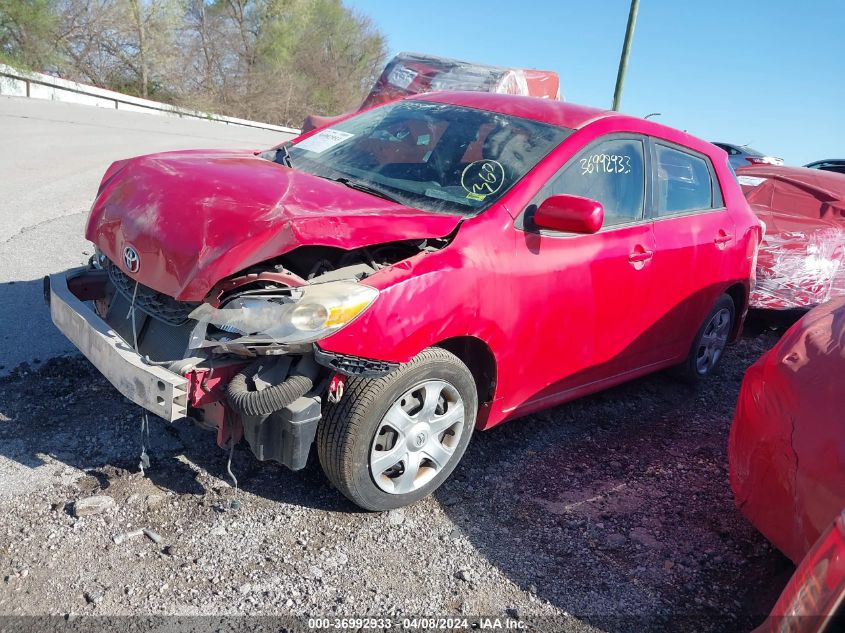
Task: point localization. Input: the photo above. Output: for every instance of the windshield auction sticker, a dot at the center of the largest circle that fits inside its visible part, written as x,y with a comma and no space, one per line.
482,178
323,140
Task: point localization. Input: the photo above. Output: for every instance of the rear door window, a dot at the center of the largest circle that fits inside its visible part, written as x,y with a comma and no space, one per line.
684,182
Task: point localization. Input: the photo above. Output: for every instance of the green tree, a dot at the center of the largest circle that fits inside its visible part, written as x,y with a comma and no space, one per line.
27,33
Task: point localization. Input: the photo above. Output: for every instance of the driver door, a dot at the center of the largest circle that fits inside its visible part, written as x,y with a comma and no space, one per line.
594,319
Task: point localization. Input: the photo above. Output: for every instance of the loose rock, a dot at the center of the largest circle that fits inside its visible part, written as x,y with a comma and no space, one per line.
93,505
120,538
155,537
396,517
464,574
615,541
94,596
153,501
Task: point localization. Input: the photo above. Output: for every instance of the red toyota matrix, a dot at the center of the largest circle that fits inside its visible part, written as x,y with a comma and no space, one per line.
387,285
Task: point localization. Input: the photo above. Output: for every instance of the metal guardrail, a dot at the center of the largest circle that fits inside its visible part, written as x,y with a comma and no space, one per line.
18,83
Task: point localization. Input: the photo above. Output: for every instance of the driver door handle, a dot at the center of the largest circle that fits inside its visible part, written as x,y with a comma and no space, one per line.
640,256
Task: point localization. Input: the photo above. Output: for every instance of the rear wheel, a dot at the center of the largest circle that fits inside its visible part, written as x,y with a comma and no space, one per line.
393,440
710,341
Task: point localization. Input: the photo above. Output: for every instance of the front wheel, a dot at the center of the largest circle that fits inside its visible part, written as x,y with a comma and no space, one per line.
710,341
393,440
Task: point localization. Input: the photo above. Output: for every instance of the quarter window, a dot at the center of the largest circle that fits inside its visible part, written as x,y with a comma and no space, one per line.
683,182
611,172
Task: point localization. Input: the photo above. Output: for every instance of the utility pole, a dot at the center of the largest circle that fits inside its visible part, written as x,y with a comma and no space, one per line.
626,49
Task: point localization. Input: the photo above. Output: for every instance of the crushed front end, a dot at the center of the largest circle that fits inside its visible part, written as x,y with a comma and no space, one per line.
217,273
244,362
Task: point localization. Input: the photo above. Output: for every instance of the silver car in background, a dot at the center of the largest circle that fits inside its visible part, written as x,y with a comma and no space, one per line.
831,164
743,156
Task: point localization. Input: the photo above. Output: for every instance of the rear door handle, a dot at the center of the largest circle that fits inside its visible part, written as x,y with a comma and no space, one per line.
723,238
640,256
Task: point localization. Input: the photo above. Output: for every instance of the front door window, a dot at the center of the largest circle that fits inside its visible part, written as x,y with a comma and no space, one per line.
611,172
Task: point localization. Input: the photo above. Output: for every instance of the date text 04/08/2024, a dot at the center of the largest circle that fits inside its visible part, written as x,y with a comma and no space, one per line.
425,623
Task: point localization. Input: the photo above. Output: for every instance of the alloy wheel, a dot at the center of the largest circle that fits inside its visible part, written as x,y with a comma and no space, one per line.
713,341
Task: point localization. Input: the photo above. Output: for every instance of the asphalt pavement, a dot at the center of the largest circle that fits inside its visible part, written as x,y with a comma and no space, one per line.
53,156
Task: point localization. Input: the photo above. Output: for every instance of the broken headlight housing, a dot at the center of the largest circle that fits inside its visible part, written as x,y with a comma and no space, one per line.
308,314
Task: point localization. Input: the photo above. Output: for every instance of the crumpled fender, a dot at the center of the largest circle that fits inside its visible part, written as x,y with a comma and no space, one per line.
455,289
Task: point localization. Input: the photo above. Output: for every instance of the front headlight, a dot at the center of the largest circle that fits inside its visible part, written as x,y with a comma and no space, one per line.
321,310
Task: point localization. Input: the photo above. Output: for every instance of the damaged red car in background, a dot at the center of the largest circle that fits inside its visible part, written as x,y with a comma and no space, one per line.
787,442
786,452
416,271
802,257
411,73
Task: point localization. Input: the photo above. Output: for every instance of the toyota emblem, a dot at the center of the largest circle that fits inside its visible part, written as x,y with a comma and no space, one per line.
131,259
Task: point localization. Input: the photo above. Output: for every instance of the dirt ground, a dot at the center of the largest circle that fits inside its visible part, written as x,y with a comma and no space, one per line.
612,513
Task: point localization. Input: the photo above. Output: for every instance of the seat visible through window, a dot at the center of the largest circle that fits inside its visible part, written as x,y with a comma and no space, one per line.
683,182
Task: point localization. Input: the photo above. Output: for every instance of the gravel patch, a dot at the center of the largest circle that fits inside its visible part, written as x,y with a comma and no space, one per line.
611,513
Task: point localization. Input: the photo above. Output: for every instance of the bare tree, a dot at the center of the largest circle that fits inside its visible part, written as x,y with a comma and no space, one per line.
140,28
276,60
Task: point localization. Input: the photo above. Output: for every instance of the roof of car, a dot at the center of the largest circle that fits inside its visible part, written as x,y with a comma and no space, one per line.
745,149
834,161
560,113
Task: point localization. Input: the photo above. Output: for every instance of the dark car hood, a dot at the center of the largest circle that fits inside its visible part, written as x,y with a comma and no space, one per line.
196,217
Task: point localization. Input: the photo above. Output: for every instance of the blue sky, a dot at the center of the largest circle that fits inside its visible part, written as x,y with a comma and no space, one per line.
766,73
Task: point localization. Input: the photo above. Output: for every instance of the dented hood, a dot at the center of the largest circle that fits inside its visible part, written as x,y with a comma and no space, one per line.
196,217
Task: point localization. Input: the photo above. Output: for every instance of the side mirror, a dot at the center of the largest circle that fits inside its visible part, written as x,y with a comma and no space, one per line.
569,214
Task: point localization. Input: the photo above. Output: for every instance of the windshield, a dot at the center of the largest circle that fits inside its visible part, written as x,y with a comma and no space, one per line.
431,156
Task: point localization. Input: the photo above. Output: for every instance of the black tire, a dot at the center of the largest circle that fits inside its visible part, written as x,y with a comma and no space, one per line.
691,370
346,433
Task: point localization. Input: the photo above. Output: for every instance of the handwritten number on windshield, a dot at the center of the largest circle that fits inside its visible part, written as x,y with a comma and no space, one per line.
483,177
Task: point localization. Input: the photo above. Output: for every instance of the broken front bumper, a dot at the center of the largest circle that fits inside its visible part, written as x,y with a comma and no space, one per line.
158,390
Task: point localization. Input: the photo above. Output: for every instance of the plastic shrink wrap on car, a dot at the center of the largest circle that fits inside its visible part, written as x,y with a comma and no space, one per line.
787,444
801,262
412,73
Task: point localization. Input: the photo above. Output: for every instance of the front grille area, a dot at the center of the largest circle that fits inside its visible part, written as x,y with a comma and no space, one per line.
157,305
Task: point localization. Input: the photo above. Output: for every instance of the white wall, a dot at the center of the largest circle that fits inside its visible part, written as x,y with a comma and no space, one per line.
16,83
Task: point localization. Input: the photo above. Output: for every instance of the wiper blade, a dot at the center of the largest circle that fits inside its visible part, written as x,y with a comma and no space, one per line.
362,186
285,154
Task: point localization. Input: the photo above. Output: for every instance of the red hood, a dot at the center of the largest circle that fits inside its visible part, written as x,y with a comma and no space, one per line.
196,217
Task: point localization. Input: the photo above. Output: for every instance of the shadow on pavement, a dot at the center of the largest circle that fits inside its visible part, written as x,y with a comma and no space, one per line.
66,411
